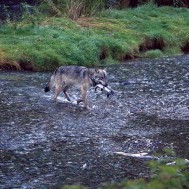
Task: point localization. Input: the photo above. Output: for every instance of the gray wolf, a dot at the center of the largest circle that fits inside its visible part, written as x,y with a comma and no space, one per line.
65,77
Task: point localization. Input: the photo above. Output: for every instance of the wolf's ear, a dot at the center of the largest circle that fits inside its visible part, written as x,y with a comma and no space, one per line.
97,70
105,69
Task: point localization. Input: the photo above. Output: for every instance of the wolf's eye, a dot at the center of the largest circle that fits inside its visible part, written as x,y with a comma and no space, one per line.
103,76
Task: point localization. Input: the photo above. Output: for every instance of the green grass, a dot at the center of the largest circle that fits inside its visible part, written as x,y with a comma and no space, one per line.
48,42
153,53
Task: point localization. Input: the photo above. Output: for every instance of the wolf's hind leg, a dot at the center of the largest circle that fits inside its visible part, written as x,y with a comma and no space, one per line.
65,92
79,101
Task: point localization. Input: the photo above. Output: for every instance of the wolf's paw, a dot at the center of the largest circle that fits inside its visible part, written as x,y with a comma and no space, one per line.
79,101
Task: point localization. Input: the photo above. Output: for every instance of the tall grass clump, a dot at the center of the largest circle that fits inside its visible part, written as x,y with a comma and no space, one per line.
74,9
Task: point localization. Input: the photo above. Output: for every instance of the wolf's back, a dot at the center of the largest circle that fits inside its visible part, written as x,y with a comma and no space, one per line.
69,74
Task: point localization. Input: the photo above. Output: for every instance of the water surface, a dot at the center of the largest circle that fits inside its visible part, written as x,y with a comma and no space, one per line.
46,144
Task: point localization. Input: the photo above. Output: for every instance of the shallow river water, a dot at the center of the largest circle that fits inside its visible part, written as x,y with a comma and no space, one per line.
46,144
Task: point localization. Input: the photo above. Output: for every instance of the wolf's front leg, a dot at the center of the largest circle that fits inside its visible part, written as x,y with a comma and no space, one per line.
84,96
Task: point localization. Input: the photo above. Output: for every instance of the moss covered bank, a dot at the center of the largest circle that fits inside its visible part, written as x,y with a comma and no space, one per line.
41,43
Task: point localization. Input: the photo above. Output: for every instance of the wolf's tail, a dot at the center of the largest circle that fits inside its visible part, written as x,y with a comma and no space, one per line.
50,84
47,89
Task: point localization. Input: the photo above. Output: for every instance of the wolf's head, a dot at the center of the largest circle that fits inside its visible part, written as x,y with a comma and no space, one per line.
99,75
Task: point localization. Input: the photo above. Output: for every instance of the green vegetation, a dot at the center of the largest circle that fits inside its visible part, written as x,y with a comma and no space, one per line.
173,176
43,42
71,8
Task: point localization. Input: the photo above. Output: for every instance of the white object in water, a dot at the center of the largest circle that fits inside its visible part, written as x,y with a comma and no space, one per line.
138,155
107,88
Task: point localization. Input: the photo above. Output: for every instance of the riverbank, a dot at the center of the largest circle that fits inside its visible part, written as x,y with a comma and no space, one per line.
42,43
